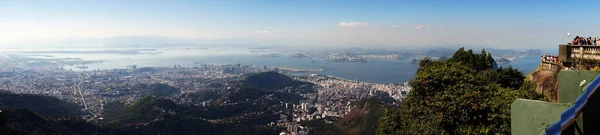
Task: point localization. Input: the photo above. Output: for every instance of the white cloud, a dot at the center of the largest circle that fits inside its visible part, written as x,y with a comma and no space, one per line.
420,26
352,24
262,32
394,26
375,27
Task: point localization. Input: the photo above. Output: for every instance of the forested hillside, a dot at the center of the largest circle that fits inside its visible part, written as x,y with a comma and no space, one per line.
461,95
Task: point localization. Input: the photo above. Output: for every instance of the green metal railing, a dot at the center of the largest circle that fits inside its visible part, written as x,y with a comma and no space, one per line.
530,117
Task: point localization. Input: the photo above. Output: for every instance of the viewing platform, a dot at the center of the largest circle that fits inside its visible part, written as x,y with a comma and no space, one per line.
572,53
553,66
576,111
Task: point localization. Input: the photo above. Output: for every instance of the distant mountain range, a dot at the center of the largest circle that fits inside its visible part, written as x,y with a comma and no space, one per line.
152,41
137,42
434,52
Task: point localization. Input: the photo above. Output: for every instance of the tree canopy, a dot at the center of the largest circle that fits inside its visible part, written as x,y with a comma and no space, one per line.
45,105
462,95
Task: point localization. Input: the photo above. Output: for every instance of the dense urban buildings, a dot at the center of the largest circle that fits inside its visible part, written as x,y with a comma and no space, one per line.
92,90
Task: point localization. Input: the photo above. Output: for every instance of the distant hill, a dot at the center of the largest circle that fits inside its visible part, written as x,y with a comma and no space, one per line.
152,115
502,61
44,105
156,89
272,80
29,114
244,108
149,115
145,69
146,109
268,80
25,121
297,55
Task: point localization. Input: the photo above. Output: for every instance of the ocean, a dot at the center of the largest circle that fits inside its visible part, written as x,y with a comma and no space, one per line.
377,71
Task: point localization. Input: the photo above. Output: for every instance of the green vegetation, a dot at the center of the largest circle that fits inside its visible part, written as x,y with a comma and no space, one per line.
244,109
320,127
362,120
268,80
45,105
146,109
156,89
149,115
152,115
36,114
271,81
25,121
462,95
363,124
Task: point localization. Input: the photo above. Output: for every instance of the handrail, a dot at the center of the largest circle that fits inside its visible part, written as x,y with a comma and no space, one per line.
567,117
591,46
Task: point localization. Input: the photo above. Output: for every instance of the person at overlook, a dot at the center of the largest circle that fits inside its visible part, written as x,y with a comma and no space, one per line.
575,41
541,58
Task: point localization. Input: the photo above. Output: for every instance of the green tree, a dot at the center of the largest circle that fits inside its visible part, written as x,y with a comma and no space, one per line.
389,122
478,62
462,95
508,77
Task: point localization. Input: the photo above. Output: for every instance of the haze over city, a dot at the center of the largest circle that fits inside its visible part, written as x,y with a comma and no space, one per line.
384,24
298,67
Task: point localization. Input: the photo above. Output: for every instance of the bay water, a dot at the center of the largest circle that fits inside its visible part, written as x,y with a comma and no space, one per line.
377,71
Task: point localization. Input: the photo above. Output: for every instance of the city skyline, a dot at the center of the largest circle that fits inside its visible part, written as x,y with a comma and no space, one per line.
504,24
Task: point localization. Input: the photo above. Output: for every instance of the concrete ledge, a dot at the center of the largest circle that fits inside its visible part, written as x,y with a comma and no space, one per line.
531,117
568,83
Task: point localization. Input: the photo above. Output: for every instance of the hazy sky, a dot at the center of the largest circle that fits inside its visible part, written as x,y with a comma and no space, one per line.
368,23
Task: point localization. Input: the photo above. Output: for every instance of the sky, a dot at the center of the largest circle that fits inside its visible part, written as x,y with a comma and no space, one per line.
310,23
